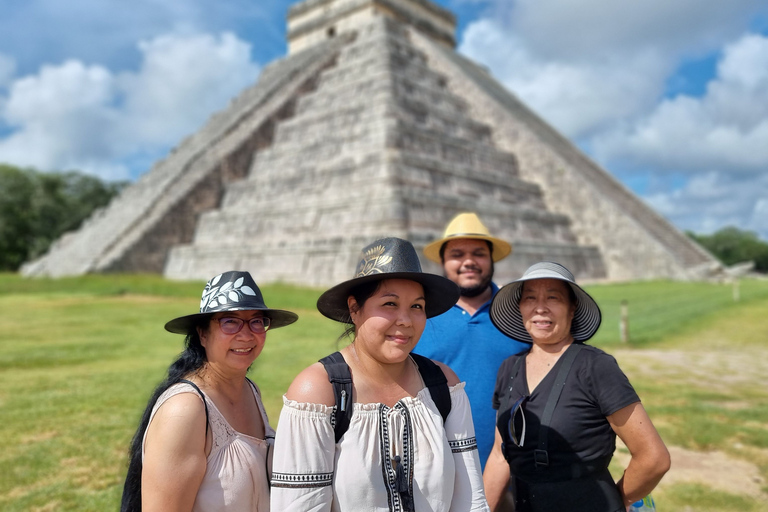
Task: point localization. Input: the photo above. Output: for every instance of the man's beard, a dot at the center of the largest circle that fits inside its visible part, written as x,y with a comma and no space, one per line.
474,291
479,288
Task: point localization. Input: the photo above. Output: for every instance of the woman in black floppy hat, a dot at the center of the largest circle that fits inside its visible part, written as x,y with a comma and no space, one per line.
204,440
394,432
561,404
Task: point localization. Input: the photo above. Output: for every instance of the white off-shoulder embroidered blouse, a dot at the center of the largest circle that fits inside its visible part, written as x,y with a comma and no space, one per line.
313,473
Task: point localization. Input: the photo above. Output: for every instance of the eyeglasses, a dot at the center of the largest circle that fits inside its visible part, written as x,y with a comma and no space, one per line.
517,410
233,324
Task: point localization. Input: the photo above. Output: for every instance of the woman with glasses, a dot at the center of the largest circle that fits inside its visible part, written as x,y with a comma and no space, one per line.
562,404
204,440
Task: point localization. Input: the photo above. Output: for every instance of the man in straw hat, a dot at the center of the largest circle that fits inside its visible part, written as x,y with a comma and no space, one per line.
464,337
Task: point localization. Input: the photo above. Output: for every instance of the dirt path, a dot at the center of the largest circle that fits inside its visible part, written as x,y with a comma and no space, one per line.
715,470
730,369
741,367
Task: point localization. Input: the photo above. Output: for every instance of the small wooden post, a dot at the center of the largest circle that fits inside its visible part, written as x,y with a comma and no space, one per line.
624,322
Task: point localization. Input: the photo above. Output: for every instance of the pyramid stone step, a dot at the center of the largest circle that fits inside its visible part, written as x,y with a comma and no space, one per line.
310,124
358,88
302,155
346,122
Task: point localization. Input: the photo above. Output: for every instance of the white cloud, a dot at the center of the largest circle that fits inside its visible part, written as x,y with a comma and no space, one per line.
584,30
106,32
590,66
710,201
181,81
724,130
74,116
61,115
719,141
577,97
598,71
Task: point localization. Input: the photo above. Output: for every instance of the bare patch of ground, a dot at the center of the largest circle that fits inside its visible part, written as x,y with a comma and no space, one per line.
38,437
715,470
736,368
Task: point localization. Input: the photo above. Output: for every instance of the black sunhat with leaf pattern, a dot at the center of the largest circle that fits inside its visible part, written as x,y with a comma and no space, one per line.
390,258
231,291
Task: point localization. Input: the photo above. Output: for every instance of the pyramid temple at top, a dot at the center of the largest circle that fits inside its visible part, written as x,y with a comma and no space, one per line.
372,126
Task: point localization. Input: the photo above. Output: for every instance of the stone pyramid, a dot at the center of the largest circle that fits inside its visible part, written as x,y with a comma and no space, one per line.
372,126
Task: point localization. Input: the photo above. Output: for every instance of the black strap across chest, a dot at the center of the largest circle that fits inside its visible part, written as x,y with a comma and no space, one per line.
541,455
185,381
341,380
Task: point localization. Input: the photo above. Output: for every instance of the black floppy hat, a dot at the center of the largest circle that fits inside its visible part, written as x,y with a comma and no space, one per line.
231,291
389,258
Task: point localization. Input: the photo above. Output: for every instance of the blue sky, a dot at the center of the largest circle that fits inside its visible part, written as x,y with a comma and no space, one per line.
671,97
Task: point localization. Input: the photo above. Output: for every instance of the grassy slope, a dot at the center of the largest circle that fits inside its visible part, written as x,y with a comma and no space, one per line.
79,358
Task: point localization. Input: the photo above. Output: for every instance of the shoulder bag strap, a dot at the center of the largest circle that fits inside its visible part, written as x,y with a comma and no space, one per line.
540,455
505,403
506,399
436,383
205,404
341,380
254,386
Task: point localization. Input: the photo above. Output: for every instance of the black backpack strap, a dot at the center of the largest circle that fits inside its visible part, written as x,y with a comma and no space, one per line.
541,456
436,383
341,380
205,404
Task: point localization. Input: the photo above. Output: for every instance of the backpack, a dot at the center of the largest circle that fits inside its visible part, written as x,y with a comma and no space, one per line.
341,380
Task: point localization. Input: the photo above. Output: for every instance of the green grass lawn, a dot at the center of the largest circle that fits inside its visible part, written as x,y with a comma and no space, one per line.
79,358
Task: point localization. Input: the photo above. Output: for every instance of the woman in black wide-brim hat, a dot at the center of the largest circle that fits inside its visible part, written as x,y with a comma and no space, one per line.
395,430
204,440
562,403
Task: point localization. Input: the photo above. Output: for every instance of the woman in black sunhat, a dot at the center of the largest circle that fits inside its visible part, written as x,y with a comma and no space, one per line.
395,432
204,440
561,405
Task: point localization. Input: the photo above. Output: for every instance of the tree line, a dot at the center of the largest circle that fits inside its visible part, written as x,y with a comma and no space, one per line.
37,207
732,245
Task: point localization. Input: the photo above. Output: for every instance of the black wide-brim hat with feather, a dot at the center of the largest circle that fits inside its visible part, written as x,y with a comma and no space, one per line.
231,291
505,307
389,258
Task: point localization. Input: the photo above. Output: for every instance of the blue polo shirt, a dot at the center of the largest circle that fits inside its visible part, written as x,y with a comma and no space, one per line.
474,349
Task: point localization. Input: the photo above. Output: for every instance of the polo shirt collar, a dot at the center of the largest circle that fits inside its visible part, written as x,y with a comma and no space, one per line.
487,304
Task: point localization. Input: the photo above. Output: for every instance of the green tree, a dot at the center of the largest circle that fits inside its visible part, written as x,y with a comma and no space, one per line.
732,245
36,208
17,218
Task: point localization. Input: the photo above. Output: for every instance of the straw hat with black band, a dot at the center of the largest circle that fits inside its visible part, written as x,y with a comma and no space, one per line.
505,307
389,258
230,291
467,225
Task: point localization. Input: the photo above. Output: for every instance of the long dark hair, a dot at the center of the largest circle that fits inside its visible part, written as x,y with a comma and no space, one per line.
189,361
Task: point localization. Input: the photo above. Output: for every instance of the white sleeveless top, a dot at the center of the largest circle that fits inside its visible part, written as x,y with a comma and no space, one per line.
441,463
239,466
